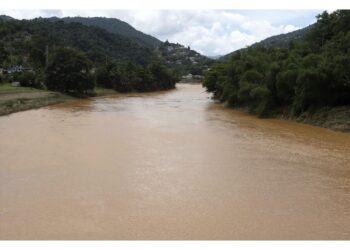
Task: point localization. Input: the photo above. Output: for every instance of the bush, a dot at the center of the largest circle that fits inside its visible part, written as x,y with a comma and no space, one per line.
310,90
28,79
108,76
285,84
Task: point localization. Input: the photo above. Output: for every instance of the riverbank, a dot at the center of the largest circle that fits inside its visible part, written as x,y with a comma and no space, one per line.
334,118
15,99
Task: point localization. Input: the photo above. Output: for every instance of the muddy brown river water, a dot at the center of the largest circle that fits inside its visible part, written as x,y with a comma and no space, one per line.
169,165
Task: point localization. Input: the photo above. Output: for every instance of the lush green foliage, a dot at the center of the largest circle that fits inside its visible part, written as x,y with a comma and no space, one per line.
310,74
286,40
69,72
29,38
67,56
28,79
129,77
116,26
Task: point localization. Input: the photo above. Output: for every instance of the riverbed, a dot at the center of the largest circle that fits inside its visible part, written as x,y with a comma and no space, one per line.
169,165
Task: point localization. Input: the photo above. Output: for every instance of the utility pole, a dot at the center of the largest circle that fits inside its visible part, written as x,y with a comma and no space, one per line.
47,56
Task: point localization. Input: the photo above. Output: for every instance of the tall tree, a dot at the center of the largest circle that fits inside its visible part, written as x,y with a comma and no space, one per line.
69,72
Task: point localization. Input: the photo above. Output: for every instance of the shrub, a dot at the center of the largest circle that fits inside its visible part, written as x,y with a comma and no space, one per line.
28,79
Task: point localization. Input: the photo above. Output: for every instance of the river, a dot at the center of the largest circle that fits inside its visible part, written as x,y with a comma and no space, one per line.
169,165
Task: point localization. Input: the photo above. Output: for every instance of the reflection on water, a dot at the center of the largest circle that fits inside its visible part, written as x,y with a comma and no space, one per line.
169,165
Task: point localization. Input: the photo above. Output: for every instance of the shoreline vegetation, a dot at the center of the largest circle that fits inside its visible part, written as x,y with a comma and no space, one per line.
307,82
333,118
60,61
16,99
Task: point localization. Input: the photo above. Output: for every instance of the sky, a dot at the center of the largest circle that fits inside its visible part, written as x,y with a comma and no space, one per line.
210,32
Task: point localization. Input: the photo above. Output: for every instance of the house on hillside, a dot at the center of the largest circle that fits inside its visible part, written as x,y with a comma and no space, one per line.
18,68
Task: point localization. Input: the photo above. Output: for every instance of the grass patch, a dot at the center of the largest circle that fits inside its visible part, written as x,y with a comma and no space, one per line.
7,88
15,99
336,118
21,104
102,91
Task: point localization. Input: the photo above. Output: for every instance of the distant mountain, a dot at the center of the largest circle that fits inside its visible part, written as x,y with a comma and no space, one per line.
283,40
100,38
278,41
215,57
6,18
116,26
25,39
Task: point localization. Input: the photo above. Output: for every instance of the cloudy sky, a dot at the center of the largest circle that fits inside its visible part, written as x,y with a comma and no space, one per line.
210,32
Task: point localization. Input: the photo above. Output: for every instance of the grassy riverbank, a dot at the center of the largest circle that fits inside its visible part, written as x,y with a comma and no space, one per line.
15,99
103,92
334,118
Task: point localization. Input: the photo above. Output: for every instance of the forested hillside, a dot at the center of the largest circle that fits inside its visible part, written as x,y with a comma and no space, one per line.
312,73
27,39
183,59
66,57
116,26
278,41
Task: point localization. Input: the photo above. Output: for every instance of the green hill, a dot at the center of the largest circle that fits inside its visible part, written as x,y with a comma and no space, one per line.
278,41
23,39
115,26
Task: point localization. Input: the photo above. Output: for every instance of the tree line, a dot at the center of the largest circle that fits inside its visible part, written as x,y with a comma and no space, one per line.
312,73
73,58
70,71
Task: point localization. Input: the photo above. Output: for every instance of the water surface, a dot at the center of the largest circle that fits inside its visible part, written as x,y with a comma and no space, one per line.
169,165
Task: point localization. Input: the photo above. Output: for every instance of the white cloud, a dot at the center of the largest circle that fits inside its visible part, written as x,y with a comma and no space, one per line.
210,32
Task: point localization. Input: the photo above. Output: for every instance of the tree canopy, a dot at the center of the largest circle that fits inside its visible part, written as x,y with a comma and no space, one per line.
69,72
313,73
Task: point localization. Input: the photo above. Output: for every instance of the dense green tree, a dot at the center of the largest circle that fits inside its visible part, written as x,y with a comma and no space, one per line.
28,79
108,76
310,90
3,54
69,72
130,77
37,57
312,73
285,85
